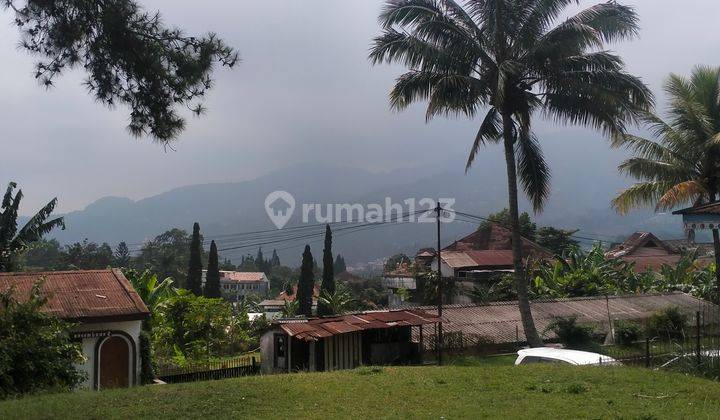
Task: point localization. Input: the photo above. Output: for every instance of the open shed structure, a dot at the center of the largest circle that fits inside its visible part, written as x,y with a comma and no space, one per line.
344,342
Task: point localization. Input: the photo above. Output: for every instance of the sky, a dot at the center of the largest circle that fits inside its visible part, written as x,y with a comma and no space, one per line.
304,92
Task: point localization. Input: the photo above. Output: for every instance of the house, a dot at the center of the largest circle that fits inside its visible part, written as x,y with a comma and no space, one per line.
235,285
343,342
401,277
108,313
648,253
485,252
272,308
498,326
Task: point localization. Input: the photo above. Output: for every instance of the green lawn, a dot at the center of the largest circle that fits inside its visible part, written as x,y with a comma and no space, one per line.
534,391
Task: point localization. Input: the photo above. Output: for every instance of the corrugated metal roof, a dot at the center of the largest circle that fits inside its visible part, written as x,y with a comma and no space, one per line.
500,322
712,208
314,328
457,259
491,257
83,295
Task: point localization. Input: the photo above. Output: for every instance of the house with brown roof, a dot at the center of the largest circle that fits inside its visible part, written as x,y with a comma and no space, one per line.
344,342
648,253
485,252
235,285
272,308
108,313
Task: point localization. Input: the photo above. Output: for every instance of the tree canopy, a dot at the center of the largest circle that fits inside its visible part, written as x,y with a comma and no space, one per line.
130,55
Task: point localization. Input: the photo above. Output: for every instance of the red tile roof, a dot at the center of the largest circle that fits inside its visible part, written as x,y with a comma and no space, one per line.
640,240
315,328
83,296
283,296
496,237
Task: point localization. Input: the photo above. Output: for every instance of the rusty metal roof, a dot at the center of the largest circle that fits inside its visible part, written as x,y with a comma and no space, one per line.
315,328
500,322
83,295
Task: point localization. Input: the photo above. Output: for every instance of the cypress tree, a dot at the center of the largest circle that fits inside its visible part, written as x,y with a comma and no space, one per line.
260,260
194,278
275,260
306,284
328,275
339,265
212,278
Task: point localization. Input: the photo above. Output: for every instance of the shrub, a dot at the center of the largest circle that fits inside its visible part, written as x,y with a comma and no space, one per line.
627,333
36,351
147,375
668,324
571,334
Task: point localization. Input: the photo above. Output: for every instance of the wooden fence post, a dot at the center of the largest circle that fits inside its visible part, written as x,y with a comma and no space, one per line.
697,338
647,352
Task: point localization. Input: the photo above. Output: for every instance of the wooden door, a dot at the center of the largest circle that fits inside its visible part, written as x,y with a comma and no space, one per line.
114,363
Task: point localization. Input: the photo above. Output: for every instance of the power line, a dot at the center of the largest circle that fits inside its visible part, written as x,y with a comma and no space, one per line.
393,220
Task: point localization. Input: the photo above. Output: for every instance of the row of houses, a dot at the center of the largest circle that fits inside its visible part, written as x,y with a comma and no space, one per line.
486,253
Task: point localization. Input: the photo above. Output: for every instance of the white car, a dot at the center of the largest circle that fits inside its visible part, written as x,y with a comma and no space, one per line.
571,357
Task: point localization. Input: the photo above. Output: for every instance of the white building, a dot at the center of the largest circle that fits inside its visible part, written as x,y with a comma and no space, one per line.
109,314
235,285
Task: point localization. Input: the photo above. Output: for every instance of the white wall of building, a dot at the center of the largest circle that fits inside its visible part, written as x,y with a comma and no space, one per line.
131,328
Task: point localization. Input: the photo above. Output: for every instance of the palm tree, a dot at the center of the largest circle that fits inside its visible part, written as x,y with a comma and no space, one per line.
506,56
290,308
337,302
154,293
14,242
683,165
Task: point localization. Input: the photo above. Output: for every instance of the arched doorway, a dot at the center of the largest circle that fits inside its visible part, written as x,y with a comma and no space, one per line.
114,363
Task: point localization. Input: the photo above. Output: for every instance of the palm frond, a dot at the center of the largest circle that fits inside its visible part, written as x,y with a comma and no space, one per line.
490,131
681,193
657,170
533,171
612,21
639,195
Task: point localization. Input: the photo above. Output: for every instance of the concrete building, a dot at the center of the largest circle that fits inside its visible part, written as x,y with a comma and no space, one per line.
235,285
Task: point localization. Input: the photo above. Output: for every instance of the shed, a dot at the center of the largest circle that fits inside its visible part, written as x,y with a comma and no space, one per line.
344,342
108,313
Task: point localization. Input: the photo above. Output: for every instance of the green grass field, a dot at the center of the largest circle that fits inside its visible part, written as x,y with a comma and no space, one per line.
535,391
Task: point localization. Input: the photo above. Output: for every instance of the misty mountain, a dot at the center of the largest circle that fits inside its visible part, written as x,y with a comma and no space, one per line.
223,209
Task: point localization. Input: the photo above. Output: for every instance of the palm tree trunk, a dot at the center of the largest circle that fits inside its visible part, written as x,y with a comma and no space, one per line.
521,283
716,243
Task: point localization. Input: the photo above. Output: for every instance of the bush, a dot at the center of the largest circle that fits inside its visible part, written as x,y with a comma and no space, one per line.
627,333
571,334
668,324
147,373
36,352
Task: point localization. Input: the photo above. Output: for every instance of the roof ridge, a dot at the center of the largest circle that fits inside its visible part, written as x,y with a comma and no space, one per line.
26,273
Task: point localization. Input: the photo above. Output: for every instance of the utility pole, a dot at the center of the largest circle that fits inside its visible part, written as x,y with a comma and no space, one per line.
438,211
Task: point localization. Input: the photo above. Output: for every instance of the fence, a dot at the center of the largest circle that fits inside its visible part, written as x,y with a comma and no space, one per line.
227,368
693,349
496,328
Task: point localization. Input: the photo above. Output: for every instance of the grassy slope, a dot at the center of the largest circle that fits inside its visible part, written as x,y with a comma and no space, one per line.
427,392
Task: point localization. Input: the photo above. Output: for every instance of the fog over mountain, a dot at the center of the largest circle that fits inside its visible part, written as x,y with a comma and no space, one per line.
223,209
306,112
